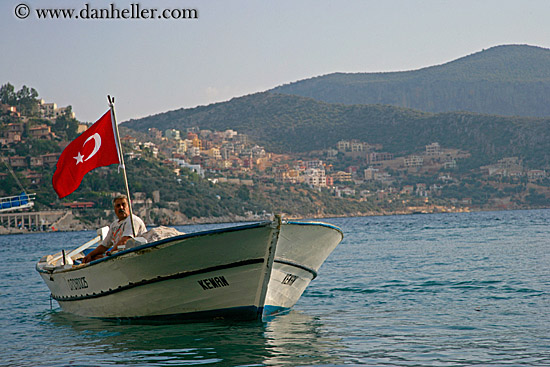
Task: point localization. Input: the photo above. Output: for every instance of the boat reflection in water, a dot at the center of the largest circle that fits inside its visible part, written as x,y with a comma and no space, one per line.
294,338
297,339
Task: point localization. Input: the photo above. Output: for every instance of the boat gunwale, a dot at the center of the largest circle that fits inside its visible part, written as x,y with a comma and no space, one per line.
320,224
157,243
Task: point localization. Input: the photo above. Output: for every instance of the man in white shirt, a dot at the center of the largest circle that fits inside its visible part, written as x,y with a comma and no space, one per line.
120,231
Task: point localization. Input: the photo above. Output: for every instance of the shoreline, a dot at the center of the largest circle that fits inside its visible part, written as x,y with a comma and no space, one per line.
77,225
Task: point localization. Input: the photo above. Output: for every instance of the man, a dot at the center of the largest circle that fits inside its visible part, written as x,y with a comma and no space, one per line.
120,231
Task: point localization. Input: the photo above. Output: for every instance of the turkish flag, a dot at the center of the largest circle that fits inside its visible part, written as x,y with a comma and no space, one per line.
95,147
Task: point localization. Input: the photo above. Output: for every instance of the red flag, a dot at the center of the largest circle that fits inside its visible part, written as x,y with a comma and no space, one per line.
96,147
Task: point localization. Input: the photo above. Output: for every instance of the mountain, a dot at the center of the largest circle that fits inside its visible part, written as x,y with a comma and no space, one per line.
285,123
511,80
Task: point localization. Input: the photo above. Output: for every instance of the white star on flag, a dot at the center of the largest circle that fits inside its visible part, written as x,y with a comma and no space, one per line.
79,158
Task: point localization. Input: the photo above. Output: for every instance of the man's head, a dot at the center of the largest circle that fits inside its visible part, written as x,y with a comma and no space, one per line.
122,209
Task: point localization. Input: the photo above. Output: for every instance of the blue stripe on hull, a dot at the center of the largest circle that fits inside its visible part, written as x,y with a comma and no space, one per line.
244,313
234,313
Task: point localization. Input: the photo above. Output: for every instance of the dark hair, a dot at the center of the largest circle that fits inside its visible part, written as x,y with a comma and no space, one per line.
119,197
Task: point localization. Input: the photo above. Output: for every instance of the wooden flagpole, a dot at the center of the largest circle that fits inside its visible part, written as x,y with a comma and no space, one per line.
119,145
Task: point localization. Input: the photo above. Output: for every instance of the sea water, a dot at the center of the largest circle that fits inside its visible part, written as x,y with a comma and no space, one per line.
468,289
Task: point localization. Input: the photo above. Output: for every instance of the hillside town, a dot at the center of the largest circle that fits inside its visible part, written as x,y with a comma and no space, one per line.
431,180
228,156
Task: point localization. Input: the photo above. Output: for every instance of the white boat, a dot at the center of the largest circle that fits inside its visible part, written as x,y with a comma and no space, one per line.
240,272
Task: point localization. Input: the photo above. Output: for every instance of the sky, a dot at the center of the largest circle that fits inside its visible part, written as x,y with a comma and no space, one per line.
236,47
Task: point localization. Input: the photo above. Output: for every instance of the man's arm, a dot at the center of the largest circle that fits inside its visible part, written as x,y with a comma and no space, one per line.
101,249
122,241
97,251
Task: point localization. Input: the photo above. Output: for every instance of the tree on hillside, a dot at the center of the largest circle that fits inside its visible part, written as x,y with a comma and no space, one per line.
25,99
7,94
66,125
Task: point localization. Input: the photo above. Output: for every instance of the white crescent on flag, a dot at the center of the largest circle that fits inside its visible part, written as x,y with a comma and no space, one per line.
97,141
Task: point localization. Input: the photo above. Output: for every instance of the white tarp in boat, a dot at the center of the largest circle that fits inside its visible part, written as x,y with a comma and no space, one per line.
160,233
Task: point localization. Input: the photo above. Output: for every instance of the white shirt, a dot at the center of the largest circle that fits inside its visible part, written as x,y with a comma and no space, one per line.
122,228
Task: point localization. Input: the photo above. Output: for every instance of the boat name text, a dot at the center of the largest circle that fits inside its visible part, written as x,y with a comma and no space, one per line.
77,283
215,282
289,279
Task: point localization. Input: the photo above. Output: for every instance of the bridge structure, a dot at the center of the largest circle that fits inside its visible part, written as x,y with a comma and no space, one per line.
35,221
15,214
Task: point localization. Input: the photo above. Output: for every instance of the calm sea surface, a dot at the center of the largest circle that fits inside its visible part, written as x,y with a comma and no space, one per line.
422,290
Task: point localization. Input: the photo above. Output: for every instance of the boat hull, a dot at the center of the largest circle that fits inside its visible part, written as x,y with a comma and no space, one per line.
242,272
301,250
212,273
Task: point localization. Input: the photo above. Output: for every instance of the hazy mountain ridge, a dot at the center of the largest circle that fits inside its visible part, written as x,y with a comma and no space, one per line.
503,80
